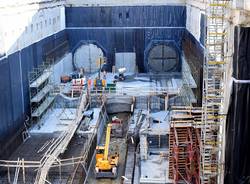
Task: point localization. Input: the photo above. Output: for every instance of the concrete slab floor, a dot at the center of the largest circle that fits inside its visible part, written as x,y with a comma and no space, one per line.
55,120
155,168
29,150
169,81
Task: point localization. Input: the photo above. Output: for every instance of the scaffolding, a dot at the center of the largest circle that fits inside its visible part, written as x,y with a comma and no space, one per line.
61,143
63,170
213,117
40,90
135,91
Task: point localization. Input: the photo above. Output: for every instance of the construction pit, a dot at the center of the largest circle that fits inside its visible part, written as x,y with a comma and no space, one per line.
134,91
64,140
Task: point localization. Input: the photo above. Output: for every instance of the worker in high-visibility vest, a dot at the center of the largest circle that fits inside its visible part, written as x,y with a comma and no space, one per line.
89,83
103,82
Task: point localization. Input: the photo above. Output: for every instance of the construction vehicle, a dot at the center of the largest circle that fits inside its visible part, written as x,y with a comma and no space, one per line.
117,129
121,74
106,165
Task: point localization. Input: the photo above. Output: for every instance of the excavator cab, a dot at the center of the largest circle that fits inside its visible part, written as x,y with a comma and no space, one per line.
99,152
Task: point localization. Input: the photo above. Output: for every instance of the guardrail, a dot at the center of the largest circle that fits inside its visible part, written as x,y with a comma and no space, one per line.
60,143
135,91
49,159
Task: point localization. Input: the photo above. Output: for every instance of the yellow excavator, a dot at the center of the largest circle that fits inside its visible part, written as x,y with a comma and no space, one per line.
106,165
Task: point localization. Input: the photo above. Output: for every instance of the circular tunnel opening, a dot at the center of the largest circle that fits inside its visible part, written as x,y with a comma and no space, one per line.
86,57
162,58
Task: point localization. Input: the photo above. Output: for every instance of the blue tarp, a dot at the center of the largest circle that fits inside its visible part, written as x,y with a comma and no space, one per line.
6,119
126,29
126,16
14,86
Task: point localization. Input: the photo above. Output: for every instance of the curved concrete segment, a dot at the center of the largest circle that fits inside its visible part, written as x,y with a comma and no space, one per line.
86,57
162,58
119,104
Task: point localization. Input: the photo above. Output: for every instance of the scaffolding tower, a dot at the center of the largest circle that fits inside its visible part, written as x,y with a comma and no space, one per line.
213,118
40,90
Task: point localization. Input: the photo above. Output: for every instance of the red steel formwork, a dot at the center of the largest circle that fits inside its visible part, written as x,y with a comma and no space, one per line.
184,145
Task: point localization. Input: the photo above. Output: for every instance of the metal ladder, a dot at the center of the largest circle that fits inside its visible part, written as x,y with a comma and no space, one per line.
213,92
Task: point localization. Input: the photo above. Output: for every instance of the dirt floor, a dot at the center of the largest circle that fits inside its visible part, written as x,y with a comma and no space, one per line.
116,144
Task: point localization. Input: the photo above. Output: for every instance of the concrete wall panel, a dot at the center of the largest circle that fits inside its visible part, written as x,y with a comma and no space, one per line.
127,60
21,29
193,21
62,67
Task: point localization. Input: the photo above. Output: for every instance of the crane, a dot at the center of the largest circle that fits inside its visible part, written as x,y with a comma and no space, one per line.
106,165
